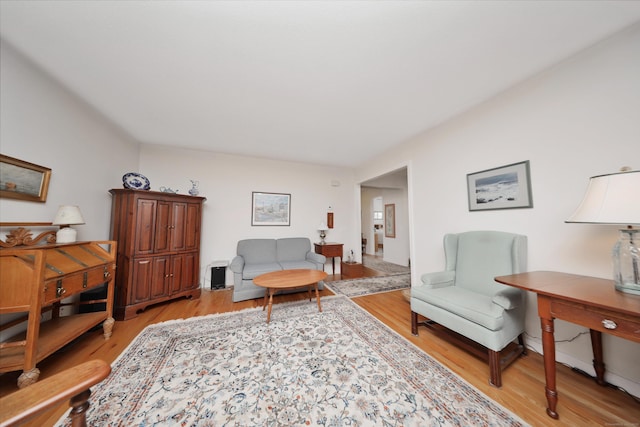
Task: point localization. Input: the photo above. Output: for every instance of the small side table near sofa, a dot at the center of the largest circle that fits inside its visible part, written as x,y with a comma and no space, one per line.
330,250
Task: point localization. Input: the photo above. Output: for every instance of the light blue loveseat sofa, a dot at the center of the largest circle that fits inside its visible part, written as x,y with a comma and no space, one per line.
259,256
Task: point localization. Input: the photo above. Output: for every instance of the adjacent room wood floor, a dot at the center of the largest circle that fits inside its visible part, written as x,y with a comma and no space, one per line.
581,401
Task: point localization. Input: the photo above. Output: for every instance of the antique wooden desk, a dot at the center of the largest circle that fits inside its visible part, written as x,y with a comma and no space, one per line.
33,281
330,250
587,301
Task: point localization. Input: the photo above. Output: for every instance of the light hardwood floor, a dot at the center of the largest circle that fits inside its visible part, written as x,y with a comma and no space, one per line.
581,401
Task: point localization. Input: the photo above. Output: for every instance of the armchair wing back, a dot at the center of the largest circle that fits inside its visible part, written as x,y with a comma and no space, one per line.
479,256
466,299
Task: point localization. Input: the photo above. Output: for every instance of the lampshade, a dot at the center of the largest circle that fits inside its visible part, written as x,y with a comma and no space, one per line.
323,227
68,215
611,199
615,199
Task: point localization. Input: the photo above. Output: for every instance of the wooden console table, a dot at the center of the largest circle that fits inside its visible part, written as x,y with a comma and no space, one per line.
330,250
587,301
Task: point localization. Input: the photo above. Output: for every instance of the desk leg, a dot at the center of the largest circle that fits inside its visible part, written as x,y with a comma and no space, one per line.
549,354
598,360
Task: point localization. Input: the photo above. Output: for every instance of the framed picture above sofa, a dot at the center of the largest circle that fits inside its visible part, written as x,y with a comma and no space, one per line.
270,209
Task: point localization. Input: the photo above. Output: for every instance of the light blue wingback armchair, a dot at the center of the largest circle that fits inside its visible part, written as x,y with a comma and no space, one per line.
467,300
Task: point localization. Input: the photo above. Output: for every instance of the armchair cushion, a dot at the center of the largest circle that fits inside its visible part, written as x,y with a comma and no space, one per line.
464,303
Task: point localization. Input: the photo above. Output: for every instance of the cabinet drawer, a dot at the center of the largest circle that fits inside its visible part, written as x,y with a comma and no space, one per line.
72,284
598,320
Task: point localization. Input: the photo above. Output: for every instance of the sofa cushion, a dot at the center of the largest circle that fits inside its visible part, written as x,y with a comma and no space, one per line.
251,271
467,304
257,251
292,249
298,265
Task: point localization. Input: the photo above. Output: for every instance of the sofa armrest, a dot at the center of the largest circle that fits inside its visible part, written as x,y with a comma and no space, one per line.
440,279
508,298
317,258
237,264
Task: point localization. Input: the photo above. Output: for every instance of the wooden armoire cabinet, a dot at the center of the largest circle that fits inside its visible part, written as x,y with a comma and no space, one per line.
158,237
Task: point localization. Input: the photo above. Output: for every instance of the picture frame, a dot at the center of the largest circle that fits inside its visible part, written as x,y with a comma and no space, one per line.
272,209
23,180
504,187
390,220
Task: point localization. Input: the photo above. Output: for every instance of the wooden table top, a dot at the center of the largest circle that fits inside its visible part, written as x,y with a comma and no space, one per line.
284,279
595,291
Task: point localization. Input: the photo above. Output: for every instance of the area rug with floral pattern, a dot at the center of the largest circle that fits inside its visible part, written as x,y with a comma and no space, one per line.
370,285
335,368
382,266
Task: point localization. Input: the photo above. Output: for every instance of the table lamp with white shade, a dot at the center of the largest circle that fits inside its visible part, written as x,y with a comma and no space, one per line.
66,217
322,228
615,199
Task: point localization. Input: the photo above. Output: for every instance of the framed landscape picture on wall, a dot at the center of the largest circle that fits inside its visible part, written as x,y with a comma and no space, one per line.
504,187
271,209
23,180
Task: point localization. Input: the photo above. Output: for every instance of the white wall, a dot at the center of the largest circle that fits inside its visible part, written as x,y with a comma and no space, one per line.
227,181
579,119
43,123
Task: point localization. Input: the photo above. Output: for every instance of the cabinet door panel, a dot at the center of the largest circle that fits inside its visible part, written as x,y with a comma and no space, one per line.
178,226
163,224
177,267
161,269
145,226
190,271
192,231
142,276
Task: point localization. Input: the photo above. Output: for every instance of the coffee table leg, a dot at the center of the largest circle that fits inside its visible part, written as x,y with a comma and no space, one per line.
271,291
318,297
264,301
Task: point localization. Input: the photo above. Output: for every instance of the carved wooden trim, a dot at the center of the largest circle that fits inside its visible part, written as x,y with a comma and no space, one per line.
22,236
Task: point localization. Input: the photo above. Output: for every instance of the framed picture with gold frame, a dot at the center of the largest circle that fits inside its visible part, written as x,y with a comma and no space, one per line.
390,220
23,180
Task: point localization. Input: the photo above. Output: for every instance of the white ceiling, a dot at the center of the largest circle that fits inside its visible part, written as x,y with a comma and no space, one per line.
329,82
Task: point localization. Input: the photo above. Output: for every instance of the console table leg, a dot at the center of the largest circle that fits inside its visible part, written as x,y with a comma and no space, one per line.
549,353
107,327
29,377
598,360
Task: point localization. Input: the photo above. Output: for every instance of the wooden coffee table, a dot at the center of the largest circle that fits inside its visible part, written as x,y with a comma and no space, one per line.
289,279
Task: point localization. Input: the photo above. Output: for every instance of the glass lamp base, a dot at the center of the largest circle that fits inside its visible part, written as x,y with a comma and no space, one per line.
626,262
